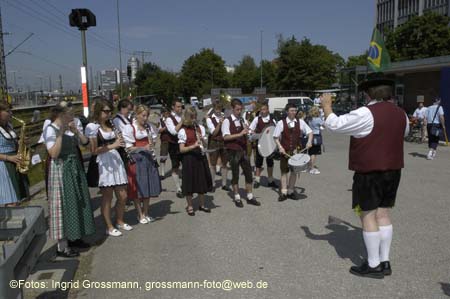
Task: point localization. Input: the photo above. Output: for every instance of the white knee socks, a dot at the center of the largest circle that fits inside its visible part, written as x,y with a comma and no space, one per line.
212,169
224,176
372,241
385,243
176,179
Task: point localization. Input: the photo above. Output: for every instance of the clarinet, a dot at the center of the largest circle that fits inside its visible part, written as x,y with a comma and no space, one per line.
150,139
199,139
119,135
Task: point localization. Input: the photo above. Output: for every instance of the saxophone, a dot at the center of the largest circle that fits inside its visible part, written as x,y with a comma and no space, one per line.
22,150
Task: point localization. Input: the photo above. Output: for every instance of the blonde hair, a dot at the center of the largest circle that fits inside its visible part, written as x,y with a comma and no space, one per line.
314,111
141,108
190,115
301,114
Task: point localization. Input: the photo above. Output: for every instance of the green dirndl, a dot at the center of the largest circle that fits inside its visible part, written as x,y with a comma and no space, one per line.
18,180
70,209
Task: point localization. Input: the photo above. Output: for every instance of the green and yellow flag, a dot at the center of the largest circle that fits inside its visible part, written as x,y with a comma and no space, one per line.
378,57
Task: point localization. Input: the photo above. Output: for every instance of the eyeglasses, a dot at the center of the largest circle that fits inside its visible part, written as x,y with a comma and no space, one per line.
107,111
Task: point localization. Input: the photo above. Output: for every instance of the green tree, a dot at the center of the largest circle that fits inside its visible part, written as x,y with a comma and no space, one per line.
246,75
269,75
202,71
163,84
303,65
420,37
356,60
146,71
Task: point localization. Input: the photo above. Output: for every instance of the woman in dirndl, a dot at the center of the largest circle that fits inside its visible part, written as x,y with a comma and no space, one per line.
315,122
13,185
70,212
144,182
196,177
112,174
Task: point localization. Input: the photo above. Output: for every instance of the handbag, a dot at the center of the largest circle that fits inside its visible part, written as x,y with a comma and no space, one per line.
317,139
435,129
92,174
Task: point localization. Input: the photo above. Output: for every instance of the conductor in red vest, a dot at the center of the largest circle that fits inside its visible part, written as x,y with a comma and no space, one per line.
377,131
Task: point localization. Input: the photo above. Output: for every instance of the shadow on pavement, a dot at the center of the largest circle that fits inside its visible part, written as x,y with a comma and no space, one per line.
344,237
416,154
445,288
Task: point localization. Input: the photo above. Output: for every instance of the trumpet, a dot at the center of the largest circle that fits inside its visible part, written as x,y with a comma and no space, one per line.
119,135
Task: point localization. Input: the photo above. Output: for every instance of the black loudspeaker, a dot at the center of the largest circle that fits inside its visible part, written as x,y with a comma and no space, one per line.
82,18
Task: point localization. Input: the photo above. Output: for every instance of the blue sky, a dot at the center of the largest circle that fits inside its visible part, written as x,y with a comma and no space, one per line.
172,30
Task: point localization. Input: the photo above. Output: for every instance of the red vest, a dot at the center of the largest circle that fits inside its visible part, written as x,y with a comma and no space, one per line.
165,136
139,142
291,137
173,138
238,143
219,136
382,149
261,125
191,137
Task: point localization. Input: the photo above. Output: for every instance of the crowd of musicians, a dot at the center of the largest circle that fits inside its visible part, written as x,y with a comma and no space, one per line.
124,162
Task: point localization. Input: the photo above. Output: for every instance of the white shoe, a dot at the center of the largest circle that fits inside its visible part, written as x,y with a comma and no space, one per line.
124,226
149,219
143,220
314,171
430,155
433,154
113,233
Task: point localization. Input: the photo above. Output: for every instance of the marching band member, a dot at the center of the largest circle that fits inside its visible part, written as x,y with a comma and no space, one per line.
104,142
70,213
195,172
13,184
173,124
143,177
376,156
288,135
259,123
122,118
164,136
215,142
235,138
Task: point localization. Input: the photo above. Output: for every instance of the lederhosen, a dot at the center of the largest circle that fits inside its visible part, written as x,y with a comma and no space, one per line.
291,142
260,126
216,143
196,176
164,137
174,148
143,176
236,152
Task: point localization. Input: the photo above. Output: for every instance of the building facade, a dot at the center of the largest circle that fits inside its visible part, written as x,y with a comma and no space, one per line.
133,65
392,13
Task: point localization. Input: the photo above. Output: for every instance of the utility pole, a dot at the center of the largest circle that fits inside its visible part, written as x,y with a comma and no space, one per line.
91,79
260,61
50,83
120,49
143,55
3,82
60,84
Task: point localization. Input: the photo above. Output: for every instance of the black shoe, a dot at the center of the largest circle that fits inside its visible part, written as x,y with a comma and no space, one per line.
386,268
366,271
78,244
226,188
161,177
204,209
272,185
238,203
293,195
282,197
179,194
253,201
68,253
256,185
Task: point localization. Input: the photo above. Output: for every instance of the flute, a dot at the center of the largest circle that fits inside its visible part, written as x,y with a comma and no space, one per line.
119,135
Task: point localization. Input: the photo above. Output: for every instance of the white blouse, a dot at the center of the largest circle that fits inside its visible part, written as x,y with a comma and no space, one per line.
92,130
129,137
49,135
182,135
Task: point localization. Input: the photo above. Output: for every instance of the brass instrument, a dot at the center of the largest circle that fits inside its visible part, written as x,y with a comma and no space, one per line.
24,153
119,135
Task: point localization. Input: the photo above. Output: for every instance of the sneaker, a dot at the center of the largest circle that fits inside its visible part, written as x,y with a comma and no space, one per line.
124,226
114,232
314,171
150,219
143,220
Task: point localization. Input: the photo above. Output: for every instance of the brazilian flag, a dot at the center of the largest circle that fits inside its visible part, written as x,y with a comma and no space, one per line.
378,57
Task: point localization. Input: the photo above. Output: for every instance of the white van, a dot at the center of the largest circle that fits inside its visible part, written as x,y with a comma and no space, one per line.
279,103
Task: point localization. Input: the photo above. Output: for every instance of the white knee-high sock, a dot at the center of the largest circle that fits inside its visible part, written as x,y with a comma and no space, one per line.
224,176
217,168
176,179
62,245
212,169
385,243
163,168
372,242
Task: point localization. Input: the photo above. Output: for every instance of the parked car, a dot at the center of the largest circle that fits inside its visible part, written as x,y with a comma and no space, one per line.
279,103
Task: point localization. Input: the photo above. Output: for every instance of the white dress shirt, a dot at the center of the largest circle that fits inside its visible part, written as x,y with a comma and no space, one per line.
182,137
210,124
129,137
121,123
280,127
226,125
420,113
357,123
254,123
170,125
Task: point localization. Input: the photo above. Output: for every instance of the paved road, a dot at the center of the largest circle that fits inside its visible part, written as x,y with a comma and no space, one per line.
301,249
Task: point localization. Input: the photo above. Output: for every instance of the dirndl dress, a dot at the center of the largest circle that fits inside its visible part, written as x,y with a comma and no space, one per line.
196,175
70,212
14,186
